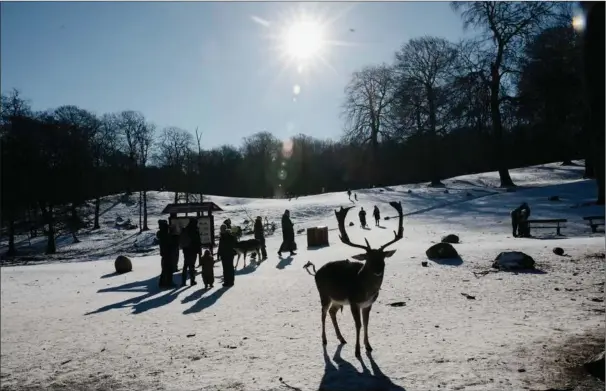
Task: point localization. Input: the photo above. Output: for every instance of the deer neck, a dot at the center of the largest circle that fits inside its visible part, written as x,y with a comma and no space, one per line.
370,280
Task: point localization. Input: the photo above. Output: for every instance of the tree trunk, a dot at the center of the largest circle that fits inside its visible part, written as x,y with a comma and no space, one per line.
12,250
497,128
140,211
176,197
593,54
97,210
434,156
47,214
589,171
74,223
145,227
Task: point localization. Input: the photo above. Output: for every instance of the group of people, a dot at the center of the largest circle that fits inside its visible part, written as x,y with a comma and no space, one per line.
189,241
375,213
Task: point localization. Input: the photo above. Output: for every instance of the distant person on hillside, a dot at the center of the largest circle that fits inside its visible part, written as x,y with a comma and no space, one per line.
192,248
356,196
516,216
260,236
288,235
226,251
362,216
349,194
208,273
227,223
164,239
377,215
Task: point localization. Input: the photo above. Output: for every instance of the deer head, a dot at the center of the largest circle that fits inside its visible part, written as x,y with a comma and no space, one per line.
375,258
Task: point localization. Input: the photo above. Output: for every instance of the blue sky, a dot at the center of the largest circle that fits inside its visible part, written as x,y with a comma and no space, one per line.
206,65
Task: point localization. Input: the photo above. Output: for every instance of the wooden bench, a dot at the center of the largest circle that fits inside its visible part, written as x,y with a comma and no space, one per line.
593,223
546,224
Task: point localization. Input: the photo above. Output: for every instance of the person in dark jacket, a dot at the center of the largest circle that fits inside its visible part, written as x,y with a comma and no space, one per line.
377,215
260,235
192,248
516,216
362,216
164,239
226,251
208,273
288,235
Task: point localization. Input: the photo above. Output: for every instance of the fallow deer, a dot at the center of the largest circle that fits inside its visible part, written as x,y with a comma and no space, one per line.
353,283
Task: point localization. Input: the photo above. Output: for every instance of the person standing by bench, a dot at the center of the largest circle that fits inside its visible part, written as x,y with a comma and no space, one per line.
516,216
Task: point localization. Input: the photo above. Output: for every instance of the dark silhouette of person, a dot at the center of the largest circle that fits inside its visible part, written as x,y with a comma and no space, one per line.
349,194
356,196
377,215
288,235
516,214
208,273
362,216
259,233
165,241
227,242
192,248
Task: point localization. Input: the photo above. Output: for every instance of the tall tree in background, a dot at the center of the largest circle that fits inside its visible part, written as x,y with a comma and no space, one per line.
426,64
368,97
173,148
506,26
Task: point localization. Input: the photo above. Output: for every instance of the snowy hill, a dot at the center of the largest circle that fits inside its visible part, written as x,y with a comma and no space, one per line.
77,326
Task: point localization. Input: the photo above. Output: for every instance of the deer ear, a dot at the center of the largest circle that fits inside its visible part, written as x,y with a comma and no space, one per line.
359,257
389,253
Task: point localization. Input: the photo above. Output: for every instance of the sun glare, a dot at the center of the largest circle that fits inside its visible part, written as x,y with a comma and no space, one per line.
303,40
578,22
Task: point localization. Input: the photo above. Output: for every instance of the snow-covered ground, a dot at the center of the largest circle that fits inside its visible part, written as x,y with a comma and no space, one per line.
75,325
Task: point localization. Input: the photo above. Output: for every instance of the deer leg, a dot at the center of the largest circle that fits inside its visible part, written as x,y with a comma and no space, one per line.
333,316
325,305
355,311
365,316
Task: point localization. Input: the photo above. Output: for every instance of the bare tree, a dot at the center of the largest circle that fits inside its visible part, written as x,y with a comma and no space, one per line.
173,148
426,63
504,26
369,95
144,139
199,161
130,123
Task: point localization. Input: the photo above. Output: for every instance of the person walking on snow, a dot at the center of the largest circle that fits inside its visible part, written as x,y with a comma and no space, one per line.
377,215
164,239
362,216
226,251
516,214
260,236
192,249
288,235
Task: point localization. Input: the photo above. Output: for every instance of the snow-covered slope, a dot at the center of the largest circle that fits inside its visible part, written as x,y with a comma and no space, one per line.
77,326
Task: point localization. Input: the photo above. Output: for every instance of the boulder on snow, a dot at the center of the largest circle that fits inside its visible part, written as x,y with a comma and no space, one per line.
595,366
409,191
386,218
123,264
446,191
558,251
351,223
441,251
451,238
513,260
554,198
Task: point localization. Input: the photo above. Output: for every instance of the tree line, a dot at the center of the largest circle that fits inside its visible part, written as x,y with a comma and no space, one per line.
512,96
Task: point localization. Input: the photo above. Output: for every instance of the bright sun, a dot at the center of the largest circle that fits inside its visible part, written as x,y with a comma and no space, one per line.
303,40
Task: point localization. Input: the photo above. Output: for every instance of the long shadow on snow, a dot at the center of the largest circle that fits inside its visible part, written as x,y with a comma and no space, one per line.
149,288
284,262
345,377
458,261
203,301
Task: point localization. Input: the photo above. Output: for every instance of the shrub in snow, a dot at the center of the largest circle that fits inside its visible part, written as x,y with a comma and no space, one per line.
452,238
123,264
441,251
511,260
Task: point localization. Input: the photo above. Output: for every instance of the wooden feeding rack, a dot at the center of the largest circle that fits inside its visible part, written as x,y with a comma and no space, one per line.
202,212
317,236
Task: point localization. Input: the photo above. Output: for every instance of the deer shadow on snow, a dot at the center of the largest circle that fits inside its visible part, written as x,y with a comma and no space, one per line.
344,376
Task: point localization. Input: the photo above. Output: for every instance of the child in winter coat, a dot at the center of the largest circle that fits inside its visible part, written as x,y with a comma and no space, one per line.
208,273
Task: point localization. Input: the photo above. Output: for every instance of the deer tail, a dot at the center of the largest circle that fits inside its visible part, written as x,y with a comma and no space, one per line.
306,267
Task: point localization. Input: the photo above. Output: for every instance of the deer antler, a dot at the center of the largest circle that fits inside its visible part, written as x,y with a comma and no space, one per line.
400,234
344,237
